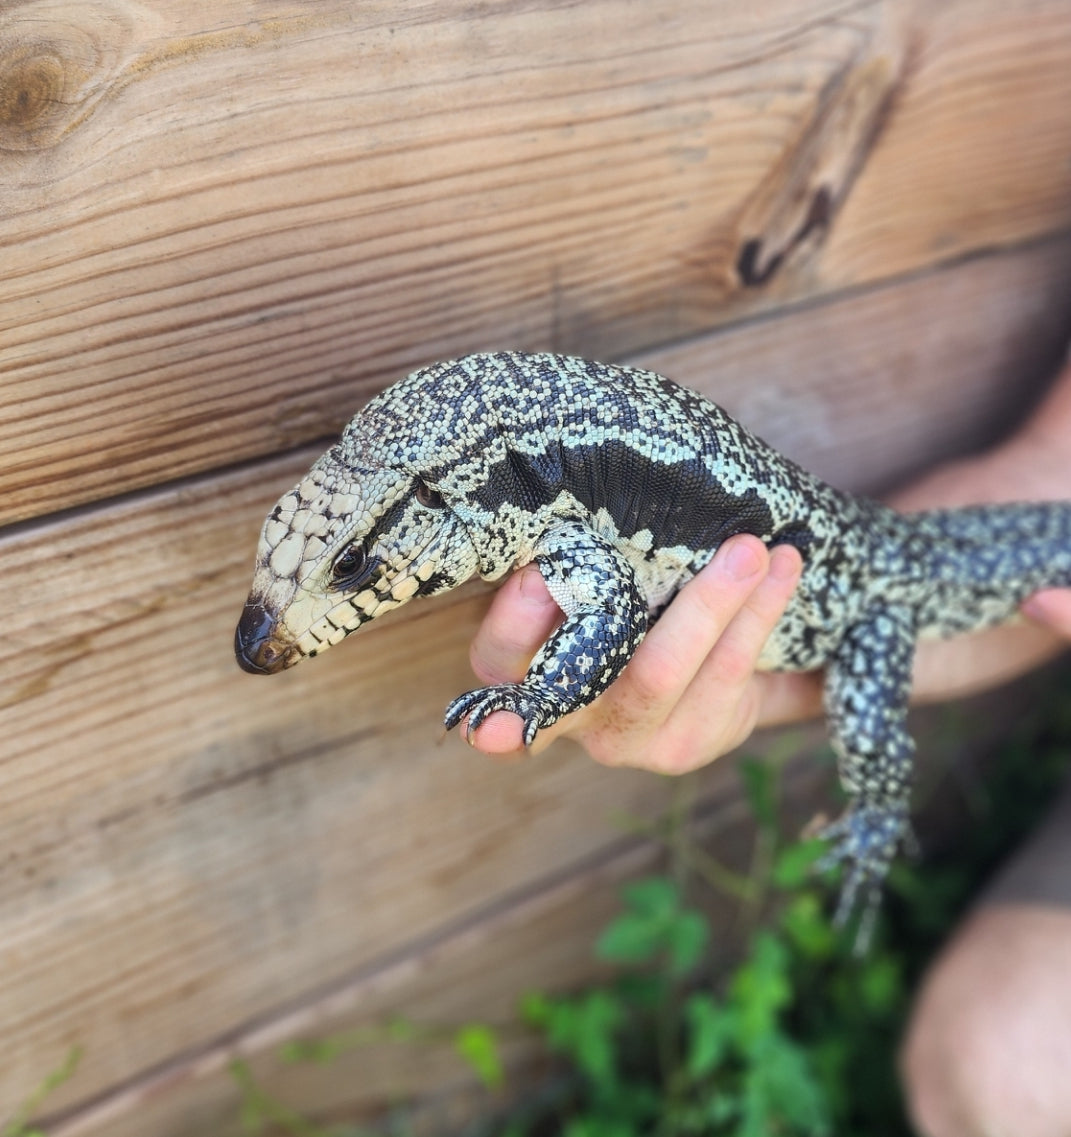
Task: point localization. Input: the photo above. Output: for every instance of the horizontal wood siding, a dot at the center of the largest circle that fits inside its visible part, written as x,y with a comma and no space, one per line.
221,228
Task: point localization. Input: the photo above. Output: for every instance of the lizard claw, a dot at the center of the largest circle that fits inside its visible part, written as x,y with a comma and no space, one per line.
534,708
866,838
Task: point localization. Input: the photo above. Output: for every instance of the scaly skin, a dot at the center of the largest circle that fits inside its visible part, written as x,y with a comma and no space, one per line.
620,486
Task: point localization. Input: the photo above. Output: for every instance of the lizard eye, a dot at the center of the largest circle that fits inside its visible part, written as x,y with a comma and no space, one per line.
427,496
352,568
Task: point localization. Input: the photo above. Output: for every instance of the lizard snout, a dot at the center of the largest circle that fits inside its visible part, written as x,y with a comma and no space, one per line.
255,647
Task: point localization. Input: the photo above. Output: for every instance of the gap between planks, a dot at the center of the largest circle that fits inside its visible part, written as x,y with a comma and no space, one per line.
309,451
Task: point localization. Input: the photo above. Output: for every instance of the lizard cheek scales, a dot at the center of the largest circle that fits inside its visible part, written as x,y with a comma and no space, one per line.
620,486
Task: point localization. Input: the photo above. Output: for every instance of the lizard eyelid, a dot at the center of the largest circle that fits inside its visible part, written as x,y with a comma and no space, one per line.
427,496
352,568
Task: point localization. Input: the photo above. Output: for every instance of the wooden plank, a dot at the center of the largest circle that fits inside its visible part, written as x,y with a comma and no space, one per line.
541,940
223,227
184,847
869,390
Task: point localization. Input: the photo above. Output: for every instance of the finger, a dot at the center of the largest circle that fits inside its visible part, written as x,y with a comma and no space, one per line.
500,735
675,648
788,696
1051,607
732,661
721,696
520,620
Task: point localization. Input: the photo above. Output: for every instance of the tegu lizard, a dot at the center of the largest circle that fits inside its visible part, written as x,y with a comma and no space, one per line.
620,486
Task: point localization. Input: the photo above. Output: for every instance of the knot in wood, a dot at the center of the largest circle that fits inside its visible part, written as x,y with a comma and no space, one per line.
56,63
32,85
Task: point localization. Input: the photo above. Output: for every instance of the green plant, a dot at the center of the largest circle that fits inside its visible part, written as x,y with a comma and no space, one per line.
19,1125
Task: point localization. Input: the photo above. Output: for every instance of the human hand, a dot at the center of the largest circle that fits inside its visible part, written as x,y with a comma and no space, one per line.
689,694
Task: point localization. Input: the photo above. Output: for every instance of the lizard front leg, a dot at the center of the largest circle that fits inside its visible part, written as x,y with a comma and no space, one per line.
866,694
605,620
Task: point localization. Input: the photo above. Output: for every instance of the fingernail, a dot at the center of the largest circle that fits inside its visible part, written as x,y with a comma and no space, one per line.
783,565
742,560
532,586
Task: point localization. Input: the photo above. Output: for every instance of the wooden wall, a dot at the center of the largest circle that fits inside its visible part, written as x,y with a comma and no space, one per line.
221,228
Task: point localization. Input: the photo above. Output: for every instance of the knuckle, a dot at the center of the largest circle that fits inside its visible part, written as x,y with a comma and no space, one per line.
652,676
731,663
491,663
711,597
675,757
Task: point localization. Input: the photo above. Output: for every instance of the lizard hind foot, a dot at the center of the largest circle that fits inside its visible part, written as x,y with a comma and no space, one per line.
865,840
535,709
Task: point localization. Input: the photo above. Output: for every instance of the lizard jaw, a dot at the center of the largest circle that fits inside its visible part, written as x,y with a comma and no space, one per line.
256,648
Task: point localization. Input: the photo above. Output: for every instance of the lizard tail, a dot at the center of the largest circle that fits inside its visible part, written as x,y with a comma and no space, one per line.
1021,547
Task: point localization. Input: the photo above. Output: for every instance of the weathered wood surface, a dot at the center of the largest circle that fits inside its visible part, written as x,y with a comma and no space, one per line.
539,940
185,848
222,227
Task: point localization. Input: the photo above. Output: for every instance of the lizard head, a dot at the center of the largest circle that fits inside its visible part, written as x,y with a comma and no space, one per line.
347,544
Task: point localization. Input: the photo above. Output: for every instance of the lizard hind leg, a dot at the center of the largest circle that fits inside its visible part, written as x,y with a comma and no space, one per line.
866,694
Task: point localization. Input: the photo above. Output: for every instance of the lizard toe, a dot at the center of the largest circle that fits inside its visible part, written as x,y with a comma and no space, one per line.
534,709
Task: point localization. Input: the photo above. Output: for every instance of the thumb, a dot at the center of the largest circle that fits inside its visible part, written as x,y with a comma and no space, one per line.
521,617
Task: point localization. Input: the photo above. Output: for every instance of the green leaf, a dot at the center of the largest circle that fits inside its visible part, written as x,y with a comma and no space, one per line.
584,1029
639,934
478,1046
654,897
598,1019
796,862
881,984
535,1008
781,1092
808,928
710,1029
687,936
760,988
722,1108
631,939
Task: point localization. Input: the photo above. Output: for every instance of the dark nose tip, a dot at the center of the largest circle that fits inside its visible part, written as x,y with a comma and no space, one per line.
255,648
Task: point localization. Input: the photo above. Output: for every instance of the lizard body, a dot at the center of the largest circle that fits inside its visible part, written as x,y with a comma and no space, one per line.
620,486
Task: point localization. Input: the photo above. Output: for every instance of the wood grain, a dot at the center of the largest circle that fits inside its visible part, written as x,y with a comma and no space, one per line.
222,228
539,940
185,847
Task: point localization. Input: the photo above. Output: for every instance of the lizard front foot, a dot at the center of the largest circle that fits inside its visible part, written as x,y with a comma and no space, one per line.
866,838
535,707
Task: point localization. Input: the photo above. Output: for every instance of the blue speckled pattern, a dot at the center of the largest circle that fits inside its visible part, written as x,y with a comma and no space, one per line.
620,486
